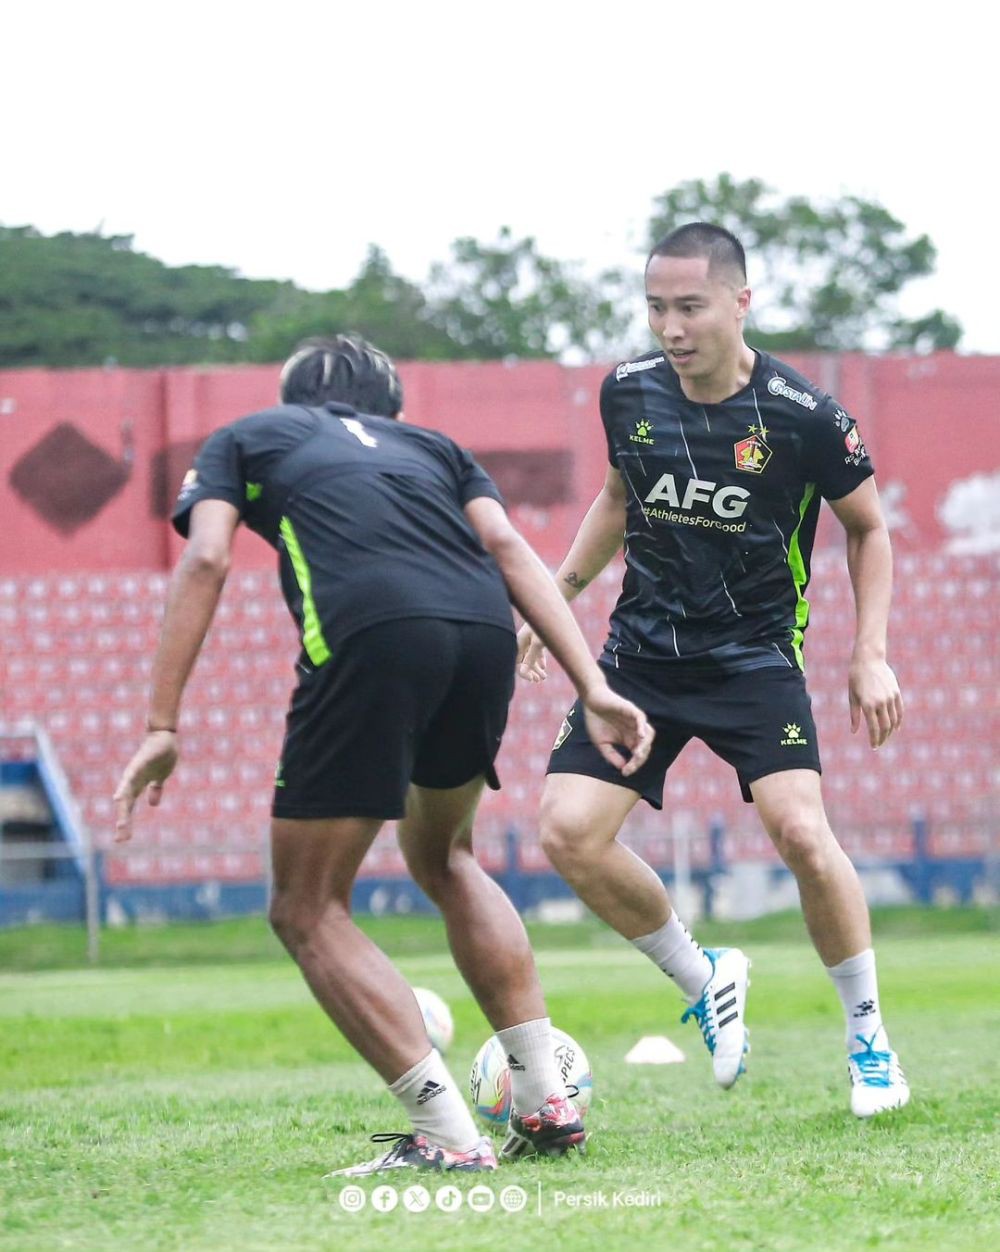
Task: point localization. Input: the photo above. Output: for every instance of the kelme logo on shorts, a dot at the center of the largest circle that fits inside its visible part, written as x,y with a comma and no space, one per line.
793,737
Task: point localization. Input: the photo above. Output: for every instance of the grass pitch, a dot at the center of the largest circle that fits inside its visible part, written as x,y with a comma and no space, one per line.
189,1095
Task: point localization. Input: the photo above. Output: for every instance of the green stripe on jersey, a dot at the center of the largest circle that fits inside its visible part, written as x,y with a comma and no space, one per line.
798,567
312,631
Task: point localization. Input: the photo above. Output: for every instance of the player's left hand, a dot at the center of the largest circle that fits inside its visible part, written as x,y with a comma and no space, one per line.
874,695
151,766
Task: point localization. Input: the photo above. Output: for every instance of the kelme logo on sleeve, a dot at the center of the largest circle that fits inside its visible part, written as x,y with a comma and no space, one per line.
642,429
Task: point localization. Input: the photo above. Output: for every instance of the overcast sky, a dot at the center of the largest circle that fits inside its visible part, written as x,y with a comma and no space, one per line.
282,140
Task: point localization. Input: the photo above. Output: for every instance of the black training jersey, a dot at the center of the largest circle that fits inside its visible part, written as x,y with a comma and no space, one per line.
722,503
365,513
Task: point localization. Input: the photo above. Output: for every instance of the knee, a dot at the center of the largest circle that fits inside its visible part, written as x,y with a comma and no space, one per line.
437,875
295,920
288,921
564,840
432,878
806,844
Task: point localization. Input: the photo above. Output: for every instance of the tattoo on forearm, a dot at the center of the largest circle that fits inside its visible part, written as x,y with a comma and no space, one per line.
574,580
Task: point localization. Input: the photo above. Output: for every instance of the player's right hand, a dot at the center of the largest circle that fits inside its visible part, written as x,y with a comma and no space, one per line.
530,656
151,766
612,720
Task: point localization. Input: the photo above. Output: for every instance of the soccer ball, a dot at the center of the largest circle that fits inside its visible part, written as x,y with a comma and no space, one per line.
437,1019
489,1081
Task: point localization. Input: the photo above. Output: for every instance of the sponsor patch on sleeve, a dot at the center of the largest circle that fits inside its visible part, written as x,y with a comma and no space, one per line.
188,484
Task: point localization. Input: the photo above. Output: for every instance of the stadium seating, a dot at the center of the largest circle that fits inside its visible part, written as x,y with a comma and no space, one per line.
77,653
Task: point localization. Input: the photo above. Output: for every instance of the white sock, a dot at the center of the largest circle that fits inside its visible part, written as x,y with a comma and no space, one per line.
857,986
676,953
434,1104
534,1074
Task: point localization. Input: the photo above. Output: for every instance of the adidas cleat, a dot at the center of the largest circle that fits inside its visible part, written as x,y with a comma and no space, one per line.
720,1013
553,1130
877,1082
411,1151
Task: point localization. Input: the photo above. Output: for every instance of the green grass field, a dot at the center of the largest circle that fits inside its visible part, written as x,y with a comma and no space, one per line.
189,1095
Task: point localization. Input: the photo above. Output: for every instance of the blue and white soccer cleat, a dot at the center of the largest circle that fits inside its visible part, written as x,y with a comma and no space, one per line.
877,1082
411,1151
720,1013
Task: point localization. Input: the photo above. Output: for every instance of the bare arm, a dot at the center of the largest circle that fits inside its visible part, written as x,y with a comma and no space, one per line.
597,541
192,599
610,719
872,687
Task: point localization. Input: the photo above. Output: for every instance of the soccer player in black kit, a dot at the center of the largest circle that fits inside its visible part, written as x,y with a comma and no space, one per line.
399,565
719,456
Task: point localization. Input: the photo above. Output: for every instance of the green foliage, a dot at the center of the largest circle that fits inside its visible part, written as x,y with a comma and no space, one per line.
87,299
829,273
70,300
379,304
506,299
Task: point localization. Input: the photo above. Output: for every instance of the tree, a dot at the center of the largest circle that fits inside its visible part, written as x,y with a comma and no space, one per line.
826,275
506,299
71,299
379,304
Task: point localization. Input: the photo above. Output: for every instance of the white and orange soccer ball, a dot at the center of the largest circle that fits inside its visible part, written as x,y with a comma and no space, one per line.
437,1019
489,1081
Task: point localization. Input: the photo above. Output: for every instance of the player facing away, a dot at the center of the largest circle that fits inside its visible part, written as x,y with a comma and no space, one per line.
719,456
399,566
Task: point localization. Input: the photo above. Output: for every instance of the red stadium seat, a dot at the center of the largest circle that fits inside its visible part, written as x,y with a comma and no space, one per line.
77,656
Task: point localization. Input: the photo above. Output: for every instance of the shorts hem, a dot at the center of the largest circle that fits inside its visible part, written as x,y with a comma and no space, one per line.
319,812
600,776
488,775
745,781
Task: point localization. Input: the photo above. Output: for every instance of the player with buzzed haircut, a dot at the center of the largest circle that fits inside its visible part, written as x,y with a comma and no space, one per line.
719,456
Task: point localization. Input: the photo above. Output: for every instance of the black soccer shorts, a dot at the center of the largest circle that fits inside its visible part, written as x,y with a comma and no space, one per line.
759,721
418,699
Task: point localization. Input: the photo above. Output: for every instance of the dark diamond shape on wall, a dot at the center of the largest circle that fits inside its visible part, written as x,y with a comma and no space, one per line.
67,479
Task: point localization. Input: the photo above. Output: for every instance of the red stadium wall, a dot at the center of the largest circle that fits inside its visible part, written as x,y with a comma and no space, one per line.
90,460
89,465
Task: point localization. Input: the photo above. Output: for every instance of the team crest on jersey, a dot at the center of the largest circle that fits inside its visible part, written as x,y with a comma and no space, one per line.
752,454
565,730
856,450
